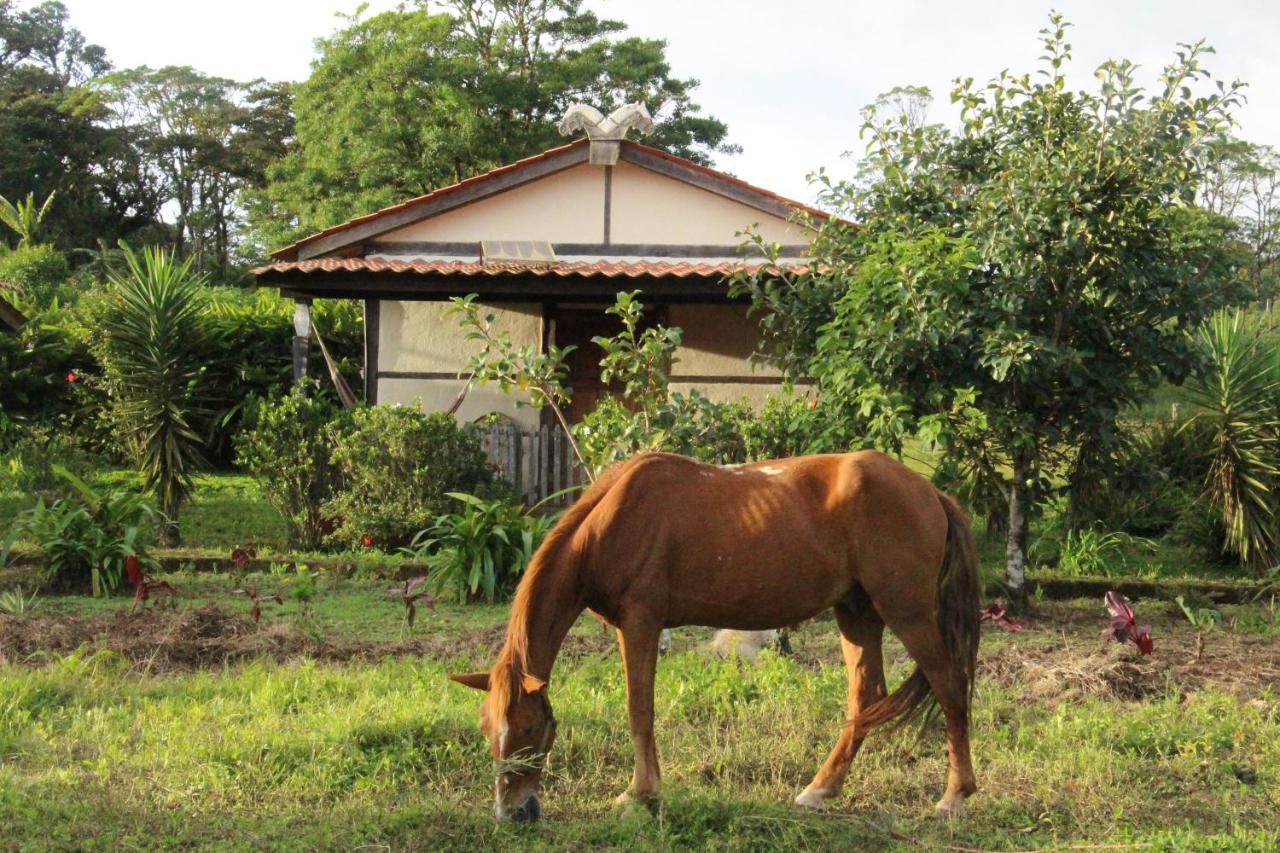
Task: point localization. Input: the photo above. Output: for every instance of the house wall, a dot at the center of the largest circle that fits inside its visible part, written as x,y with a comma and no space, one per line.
652,208
423,351
714,354
567,207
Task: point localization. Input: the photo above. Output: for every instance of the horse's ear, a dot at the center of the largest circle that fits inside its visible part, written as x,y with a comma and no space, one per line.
531,683
478,680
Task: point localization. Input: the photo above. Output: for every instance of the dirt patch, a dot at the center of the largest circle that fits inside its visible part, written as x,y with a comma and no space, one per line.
1070,669
159,639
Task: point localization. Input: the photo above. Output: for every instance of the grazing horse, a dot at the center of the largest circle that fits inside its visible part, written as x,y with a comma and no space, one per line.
661,541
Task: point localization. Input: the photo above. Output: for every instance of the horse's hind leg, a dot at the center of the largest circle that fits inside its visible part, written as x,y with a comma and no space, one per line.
924,643
861,633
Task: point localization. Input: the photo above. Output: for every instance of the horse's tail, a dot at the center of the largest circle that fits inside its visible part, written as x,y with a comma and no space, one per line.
957,615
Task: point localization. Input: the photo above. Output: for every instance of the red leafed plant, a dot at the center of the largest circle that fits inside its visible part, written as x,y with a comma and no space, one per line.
1124,624
144,586
255,612
242,554
409,595
996,613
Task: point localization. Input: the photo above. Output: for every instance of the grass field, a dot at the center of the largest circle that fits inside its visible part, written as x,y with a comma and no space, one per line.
192,727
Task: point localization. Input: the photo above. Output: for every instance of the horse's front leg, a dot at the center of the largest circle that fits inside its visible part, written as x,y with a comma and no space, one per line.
639,644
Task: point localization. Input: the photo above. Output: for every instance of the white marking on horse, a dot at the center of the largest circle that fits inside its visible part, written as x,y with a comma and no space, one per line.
504,728
770,470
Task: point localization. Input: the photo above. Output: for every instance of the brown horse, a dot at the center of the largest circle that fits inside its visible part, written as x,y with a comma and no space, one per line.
661,541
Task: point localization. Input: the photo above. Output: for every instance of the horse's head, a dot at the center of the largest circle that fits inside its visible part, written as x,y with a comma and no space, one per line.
516,716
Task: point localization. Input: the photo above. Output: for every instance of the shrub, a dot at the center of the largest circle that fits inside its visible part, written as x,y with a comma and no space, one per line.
787,425
482,549
397,466
42,372
287,445
39,273
28,466
87,539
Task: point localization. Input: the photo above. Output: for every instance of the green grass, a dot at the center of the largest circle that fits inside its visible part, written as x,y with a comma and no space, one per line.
97,754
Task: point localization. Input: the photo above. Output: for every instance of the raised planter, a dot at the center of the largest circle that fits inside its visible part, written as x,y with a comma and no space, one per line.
1218,592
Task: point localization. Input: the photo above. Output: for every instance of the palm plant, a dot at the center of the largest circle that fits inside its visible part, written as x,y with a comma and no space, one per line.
1237,395
24,217
153,336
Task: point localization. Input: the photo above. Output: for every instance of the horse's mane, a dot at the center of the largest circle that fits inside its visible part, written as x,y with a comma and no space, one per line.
513,661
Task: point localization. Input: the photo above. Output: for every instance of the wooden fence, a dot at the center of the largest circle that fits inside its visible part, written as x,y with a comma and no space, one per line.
538,462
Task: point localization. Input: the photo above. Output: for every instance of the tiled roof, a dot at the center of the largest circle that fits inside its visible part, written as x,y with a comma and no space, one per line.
607,269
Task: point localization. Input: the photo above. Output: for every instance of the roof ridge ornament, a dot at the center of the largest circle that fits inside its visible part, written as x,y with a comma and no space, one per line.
606,132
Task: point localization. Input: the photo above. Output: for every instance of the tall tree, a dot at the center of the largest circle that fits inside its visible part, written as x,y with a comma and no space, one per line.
1013,284
52,135
404,102
202,140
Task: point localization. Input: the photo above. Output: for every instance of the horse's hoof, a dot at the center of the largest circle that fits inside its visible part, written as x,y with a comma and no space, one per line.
628,798
814,799
950,807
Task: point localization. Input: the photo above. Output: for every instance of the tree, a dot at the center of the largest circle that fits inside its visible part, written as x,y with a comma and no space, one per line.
407,101
1242,181
52,132
202,141
1012,285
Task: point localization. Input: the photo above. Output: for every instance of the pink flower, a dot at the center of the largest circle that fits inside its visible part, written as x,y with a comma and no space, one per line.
71,376
368,540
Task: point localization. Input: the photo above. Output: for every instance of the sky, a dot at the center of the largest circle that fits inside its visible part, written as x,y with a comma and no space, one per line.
788,78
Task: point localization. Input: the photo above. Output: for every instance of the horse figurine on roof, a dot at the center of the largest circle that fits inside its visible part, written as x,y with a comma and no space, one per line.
661,541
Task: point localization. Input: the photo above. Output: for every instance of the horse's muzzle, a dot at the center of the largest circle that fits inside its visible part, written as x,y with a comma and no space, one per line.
531,810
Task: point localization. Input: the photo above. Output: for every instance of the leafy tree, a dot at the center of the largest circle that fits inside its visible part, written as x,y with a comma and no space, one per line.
1013,284
152,341
52,131
202,140
406,101
1242,181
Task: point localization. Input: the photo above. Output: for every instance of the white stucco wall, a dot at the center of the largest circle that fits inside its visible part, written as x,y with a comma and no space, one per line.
417,337
567,207
652,208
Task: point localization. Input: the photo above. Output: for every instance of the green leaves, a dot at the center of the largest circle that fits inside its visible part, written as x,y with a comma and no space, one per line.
481,549
1239,394
24,218
152,341
1042,258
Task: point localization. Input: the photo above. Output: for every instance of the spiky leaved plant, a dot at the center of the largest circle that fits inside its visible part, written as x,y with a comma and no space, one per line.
153,336
1237,395
24,217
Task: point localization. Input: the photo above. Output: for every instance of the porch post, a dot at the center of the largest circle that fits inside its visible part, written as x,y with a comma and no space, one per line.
301,337
372,314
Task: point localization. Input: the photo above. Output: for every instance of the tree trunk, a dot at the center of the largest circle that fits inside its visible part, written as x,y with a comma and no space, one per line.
1016,534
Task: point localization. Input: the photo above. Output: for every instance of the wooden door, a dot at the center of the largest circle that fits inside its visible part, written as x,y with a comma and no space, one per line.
577,327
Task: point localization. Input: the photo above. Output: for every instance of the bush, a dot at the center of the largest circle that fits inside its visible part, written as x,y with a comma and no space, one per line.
42,371
39,273
482,549
287,445
29,465
787,425
86,539
397,466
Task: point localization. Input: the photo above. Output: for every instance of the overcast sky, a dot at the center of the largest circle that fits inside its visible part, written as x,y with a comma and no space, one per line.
788,78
